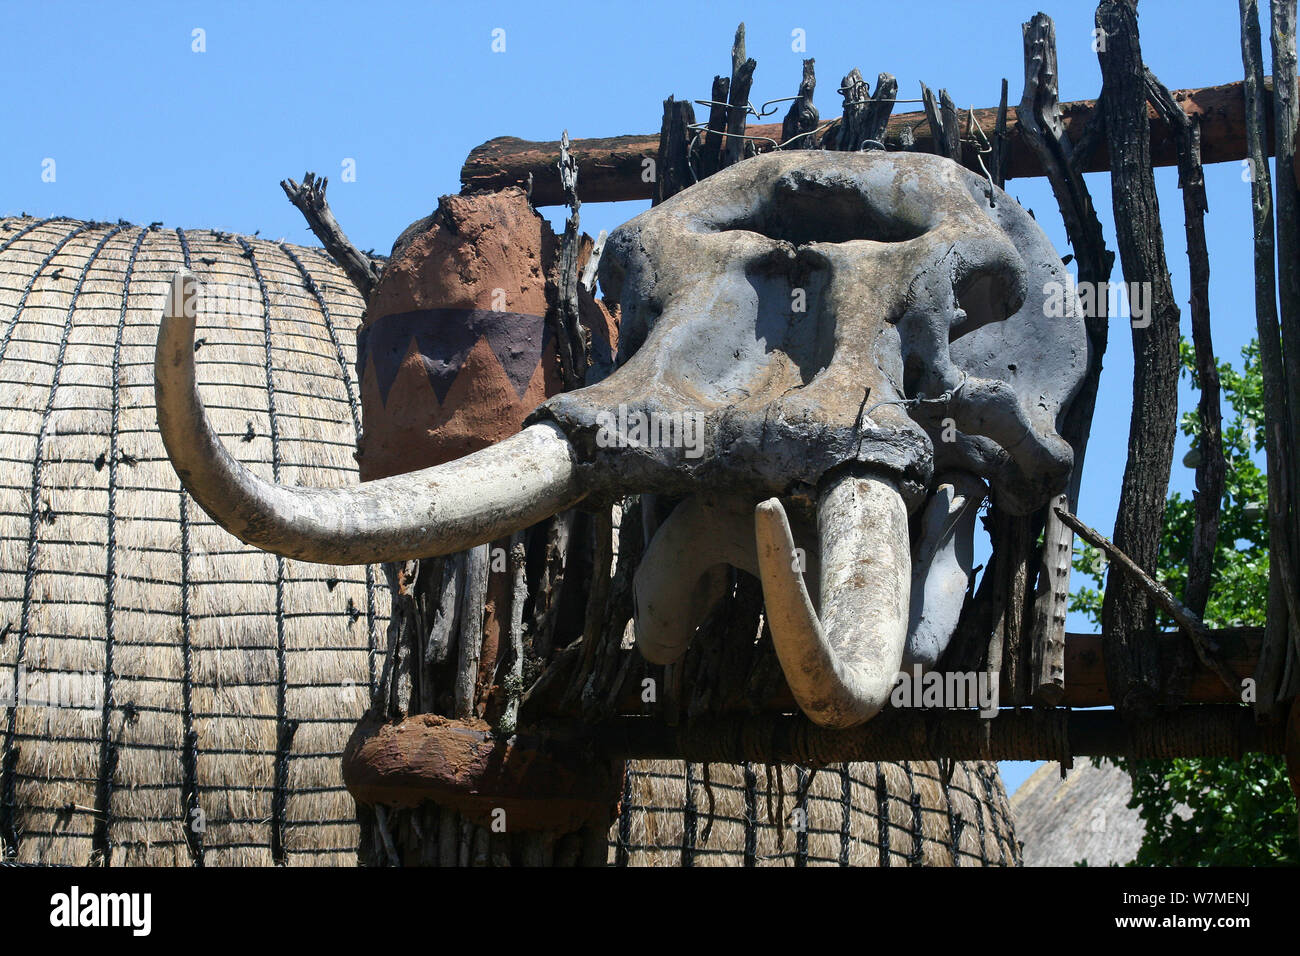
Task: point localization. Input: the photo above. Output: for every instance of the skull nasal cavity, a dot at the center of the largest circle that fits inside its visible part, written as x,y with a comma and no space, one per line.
801,211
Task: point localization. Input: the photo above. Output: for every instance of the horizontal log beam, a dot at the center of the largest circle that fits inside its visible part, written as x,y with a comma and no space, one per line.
1205,731
1184,679
566,772
614,168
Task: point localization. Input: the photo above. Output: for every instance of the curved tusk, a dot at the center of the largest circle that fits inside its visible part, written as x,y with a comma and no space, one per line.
680,578
941,567
843,666
484,496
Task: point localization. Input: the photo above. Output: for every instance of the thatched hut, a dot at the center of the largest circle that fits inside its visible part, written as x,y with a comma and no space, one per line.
212,677
1081,817
174,697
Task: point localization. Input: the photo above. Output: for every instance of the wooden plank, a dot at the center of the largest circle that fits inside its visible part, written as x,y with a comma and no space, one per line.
610,167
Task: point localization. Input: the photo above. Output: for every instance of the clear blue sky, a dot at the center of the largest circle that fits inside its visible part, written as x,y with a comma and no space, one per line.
143,128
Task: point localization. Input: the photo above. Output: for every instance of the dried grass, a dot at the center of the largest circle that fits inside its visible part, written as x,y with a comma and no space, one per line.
234,631
752,817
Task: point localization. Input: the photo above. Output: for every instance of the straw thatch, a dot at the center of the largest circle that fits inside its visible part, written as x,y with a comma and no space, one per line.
1083,817
199,673
748,816
210,669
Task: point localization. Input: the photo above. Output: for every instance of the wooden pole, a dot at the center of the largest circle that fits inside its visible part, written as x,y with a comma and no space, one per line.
1128,617
1286,125
742,78
611,167
709,155
1042,127
1281,614
1210,467
673,161
998,159
802,117
570,338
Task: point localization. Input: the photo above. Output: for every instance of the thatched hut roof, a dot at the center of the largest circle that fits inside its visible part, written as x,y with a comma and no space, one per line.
224,673
1085,816
673,819
205,674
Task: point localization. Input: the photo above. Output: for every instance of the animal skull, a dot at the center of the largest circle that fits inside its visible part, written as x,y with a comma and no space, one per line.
845,327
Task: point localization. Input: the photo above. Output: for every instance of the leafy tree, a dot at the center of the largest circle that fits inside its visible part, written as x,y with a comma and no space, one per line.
1201,811
1238,813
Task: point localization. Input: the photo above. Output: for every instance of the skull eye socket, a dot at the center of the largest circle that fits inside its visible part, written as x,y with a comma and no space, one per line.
979,302
803,209
981,297
914,371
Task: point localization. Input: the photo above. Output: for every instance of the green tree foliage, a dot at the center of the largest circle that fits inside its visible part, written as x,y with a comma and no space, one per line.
1214,812
1239,594
1202,812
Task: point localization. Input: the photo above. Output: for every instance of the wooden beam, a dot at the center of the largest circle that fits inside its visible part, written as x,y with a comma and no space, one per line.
552,777
1209,731
1184,679
611,168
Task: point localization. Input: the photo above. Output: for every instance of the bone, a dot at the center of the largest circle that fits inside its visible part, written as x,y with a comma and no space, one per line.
683,573
842,665
435,511
941,567
799,305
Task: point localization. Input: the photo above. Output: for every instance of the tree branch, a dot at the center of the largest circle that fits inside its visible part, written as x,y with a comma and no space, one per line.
310,200
572,344
1206,648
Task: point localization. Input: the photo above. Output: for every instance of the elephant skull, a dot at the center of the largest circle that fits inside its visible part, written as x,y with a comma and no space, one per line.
861,343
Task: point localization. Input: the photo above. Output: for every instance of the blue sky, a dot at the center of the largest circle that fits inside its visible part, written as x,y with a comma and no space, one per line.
142,127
